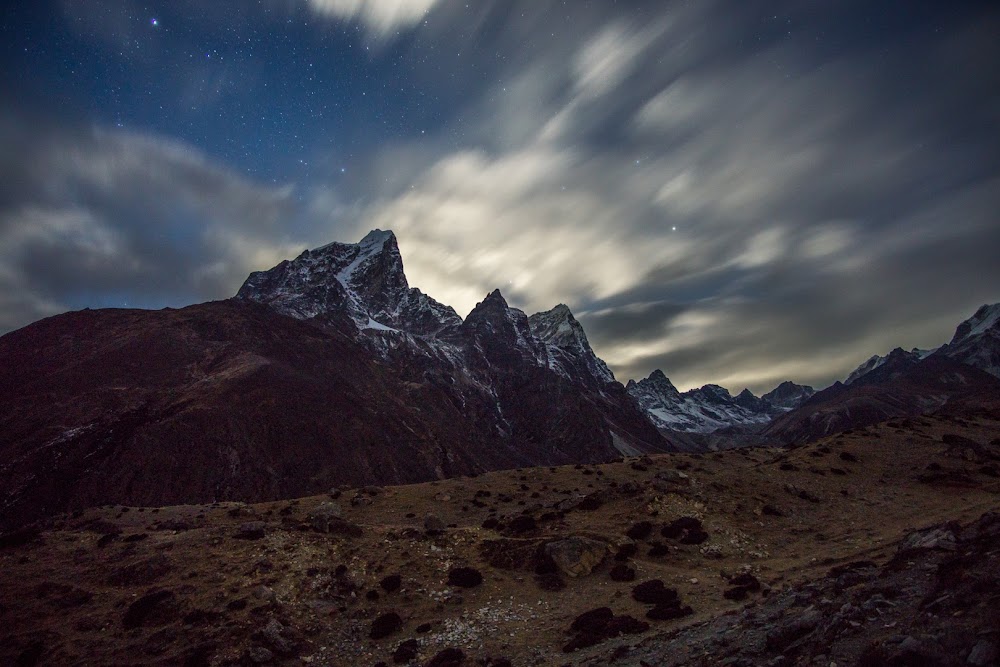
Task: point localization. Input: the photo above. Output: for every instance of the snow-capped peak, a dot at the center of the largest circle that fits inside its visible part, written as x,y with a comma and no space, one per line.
876,361
987,318
569,351
977,340
363,280
701,410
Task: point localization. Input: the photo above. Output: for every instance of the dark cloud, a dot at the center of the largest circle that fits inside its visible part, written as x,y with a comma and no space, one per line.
738,193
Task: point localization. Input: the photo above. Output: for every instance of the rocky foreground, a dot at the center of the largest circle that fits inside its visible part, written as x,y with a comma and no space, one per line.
877,547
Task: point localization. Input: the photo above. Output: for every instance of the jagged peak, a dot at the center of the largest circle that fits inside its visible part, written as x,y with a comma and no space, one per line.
378,237
746,393
986,318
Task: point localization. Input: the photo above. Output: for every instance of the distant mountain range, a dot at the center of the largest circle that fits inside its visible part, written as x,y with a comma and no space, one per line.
329,369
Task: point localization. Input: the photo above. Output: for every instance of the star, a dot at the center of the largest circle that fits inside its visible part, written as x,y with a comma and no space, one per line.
155,22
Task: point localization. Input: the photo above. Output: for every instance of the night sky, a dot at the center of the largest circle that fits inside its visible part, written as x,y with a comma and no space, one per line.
737,192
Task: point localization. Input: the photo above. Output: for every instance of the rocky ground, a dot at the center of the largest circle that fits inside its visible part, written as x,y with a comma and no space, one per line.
877,547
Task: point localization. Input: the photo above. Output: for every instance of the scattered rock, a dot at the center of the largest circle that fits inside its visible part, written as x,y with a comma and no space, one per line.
983,653
273,634
259,655
147,609
593,627
550,581
669,611
391,583
385,625
450,657
433,524
794,628
251,530
654,592
464,577
325,514
640,531
406,652
522,524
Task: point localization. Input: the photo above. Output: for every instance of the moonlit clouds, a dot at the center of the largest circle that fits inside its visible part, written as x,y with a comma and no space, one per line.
113,218
382,17
730,192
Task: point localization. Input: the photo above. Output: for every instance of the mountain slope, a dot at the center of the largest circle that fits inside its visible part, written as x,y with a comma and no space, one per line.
902,386
327,370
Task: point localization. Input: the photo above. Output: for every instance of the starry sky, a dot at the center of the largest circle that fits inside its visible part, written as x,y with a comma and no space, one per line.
733,192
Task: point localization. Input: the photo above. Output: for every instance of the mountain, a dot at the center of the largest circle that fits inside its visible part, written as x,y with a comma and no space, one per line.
876,361
788,395
702,410
904,385
326,370
977,340
567,350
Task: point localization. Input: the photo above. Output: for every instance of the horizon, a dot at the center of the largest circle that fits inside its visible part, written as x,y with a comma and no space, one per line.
734,195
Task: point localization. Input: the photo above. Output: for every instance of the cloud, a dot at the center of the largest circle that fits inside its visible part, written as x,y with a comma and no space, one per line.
727,194
381,17
93,217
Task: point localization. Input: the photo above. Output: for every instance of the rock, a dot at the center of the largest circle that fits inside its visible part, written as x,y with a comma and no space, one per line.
391,583
938,537
385,625
695,536
621,572
784,635
251,530
147,608
522,524
592,621
450,657
550,581
654,592
736,593
272,636
592,501
668,611
265,593
983,653
640,531
433,524
568,504
596,625
577,556
259,655
406,652
464,577
747,580
325,514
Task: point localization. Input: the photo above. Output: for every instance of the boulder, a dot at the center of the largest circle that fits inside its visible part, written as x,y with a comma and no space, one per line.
325,514
577,556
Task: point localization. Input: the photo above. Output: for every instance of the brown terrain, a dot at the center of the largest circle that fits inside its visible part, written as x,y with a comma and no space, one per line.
230,400
804,555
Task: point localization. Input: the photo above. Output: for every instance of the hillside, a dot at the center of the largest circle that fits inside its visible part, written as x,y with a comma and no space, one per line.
309,580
